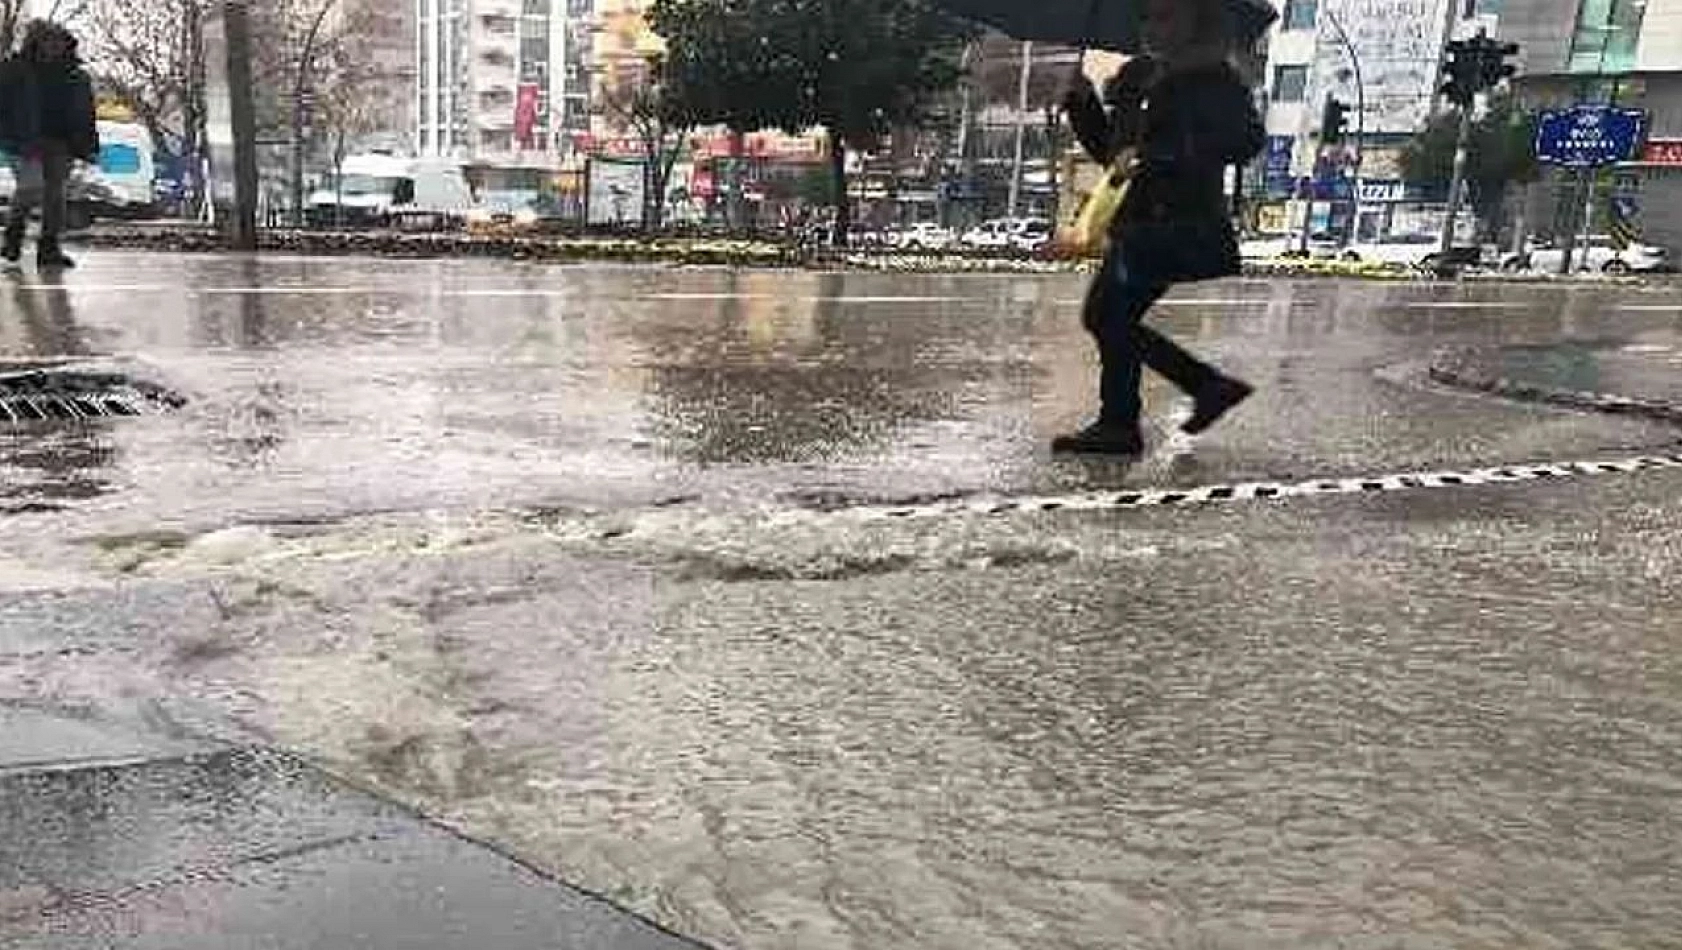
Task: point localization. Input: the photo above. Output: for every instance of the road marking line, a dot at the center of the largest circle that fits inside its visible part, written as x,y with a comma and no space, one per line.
1264,491
1649,307
1467,305
1189,302
99,288
810,299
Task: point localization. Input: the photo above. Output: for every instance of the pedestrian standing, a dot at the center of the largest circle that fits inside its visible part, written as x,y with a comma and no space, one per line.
1189,115
46,122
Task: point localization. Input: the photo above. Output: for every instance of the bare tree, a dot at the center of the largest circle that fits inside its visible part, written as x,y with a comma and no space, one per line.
647,112
151,55
320,82
11,17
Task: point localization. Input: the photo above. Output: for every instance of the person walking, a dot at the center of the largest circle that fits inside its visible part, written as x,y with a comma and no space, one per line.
46,122
1185,109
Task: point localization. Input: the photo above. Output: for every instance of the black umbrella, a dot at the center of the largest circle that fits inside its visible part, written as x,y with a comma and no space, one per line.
1093,24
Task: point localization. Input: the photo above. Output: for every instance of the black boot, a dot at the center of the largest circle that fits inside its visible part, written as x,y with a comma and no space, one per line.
49,256
11,245
1102,438
1214,400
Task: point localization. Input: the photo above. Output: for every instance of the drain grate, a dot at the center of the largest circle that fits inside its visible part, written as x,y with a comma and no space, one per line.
70,396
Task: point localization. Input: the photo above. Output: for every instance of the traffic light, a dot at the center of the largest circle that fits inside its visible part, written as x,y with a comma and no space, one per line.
1334,122
1495,62
1464,72
1476,65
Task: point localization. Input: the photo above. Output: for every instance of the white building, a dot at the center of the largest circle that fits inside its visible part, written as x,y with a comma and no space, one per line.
1382,58
502,82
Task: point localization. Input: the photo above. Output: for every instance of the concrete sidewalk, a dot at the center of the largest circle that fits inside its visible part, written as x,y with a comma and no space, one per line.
111,836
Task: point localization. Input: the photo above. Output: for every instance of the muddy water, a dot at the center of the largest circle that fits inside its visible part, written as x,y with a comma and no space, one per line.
1445,721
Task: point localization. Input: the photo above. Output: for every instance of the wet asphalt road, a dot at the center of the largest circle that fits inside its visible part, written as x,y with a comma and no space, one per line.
1438,718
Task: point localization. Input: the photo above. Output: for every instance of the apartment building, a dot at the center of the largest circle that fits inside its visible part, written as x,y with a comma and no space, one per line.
502,82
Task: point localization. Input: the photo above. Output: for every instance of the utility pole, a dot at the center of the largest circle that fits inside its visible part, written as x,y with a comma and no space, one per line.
966,92
1022,79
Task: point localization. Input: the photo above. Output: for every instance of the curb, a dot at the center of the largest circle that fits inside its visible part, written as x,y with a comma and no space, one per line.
1455,372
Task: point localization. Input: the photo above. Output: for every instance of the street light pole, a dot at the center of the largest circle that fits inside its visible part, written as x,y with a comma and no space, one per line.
1023,77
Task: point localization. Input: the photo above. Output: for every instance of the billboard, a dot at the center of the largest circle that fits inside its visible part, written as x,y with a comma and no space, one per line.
1399,43
614,193
525,114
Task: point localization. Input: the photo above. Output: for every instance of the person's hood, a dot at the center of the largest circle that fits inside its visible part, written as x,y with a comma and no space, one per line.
39,34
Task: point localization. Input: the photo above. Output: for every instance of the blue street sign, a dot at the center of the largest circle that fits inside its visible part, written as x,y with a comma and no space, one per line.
1589,136
1277,168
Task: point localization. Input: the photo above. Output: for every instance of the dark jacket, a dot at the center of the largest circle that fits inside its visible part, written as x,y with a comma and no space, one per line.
1188,127
47,102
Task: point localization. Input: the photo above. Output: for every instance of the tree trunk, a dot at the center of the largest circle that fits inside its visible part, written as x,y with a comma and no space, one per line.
838,181
297,162
195,111
648,189
733,199
10,11
663,173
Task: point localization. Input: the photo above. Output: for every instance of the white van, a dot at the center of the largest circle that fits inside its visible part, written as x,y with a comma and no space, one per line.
127,170
382,190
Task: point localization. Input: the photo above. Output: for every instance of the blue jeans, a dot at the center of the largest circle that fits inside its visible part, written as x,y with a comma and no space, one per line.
1116,304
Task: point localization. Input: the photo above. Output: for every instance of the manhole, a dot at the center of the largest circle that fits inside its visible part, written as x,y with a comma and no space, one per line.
62,395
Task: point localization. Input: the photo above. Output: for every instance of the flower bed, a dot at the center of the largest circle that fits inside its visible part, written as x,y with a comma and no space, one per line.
728,252
738,253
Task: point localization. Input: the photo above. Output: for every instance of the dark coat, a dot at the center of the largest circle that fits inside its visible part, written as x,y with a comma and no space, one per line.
47,102
1188,126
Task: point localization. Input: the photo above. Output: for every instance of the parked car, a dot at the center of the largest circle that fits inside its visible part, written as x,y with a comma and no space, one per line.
866,237
988,235
925,236
1402,250
1600,255
1268,246
1008,234
1032,237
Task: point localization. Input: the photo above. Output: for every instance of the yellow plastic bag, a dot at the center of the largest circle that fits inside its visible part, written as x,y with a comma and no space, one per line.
1088,233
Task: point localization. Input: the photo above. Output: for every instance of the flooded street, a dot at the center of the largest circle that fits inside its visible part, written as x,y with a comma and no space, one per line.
571,559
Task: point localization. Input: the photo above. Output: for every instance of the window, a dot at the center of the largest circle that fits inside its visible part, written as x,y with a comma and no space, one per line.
534,58
1301,14
1290,83
1606,36
536,8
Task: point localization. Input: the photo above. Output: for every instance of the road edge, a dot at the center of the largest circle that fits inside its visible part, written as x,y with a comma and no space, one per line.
1460,370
